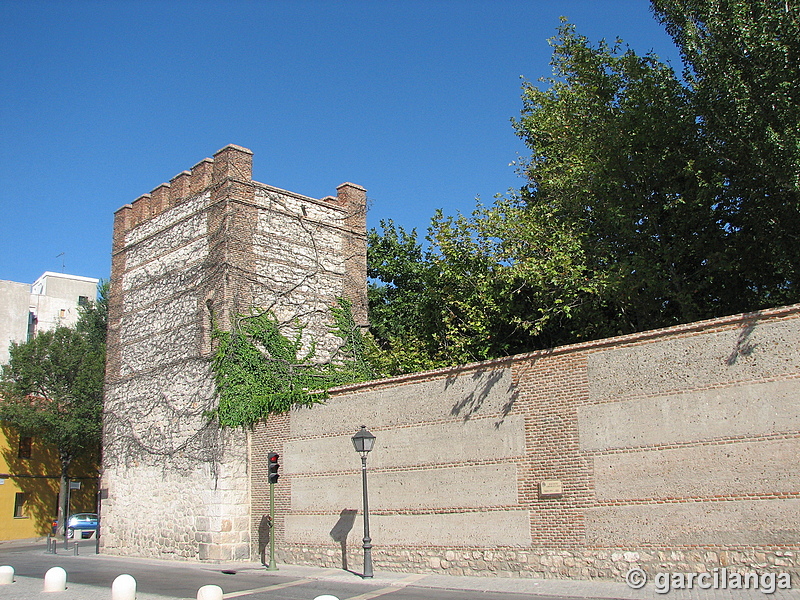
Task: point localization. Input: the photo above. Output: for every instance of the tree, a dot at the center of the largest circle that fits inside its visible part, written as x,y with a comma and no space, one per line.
465,298
615,158
742,62
437,307
52,388
650,200
612,233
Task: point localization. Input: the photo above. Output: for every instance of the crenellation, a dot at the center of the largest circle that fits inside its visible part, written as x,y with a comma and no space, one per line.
122,223
354,198
180,187
233,162
201,176
348,192
141,210
159,199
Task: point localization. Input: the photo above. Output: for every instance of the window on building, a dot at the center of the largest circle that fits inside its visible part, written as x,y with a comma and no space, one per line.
83,300
25,446
32,321
19,505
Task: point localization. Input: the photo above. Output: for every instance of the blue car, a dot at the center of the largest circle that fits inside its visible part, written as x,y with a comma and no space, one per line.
86,523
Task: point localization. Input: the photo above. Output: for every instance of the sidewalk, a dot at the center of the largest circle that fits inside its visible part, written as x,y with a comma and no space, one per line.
565,588
383,583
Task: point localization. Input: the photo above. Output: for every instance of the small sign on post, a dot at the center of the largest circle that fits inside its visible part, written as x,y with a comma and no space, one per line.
74,485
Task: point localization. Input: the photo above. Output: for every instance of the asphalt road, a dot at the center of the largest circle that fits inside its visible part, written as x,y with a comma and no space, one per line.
249,581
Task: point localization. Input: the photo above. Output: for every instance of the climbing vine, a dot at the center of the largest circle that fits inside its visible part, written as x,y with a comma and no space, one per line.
259,371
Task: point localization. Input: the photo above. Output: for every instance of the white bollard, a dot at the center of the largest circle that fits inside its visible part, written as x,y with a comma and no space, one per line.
123,588
326,597
6,575
55,580
209,592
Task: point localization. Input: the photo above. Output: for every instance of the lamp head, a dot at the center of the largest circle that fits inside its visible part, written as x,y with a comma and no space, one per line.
363,440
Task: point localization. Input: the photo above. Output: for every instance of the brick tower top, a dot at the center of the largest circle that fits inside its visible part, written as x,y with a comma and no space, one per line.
231,163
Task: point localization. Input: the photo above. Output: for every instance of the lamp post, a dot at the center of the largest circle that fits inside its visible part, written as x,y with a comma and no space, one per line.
363,441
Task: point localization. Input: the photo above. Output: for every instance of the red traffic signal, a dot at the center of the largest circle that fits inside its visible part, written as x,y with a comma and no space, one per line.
273,467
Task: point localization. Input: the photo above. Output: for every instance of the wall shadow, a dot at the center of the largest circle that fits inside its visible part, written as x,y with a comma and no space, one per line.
36,477
474,400
341,530
263,539
744,346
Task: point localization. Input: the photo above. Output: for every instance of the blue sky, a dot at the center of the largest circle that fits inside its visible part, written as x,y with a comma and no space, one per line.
102,101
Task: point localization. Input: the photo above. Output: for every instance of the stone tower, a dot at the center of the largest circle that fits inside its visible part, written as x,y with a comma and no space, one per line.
210,240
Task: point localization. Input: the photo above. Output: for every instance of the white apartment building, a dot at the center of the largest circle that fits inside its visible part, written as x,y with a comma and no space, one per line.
51,300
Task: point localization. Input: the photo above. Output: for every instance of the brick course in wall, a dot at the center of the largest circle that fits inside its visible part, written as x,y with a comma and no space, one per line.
676,451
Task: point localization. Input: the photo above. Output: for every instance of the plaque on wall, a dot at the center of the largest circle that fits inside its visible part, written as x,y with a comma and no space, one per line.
550,488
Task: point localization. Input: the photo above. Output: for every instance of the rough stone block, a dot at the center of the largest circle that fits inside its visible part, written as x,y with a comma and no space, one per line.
757,523
486,392
732,469
742,410
409,446
752,352
479,486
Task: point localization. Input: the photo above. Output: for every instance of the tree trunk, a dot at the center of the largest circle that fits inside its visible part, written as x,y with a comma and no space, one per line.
63,495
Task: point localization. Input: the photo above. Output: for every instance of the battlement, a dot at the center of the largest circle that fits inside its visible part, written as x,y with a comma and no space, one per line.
230,164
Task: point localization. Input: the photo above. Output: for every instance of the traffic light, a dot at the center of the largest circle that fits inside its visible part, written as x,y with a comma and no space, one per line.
273,467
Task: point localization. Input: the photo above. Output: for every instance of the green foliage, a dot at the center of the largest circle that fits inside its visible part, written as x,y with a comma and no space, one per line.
352,361
614,148
650,200
399,301
52,386
93,318
259,371
472,295
743,71
603,239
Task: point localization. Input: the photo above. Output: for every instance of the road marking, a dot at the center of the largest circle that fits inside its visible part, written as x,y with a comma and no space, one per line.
410,579
266,588
276,586
396,586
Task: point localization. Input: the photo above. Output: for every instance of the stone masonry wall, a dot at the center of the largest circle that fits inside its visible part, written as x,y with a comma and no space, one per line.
210,240
675,450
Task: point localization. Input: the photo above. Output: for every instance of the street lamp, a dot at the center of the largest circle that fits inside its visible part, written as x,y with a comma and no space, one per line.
363,441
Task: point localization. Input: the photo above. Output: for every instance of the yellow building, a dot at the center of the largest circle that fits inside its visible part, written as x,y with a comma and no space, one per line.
29,477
